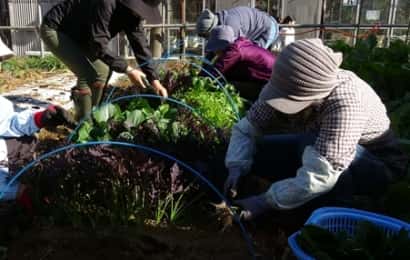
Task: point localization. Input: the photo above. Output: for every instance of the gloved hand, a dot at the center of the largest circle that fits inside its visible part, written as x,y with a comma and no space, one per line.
232,182
253,206
53,116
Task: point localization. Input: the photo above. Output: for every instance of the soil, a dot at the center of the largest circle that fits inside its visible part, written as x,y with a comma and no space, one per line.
55,242
69,243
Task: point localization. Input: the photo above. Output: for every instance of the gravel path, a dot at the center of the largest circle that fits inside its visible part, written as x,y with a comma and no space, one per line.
41,93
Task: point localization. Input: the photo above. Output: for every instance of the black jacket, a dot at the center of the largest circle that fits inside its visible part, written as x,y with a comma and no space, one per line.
93,23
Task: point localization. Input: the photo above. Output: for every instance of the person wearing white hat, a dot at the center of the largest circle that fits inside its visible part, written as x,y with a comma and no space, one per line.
342,145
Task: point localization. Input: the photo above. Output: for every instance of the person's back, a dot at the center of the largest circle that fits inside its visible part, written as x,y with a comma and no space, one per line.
70,17
251,23
253,63
246,22
246,65
76,18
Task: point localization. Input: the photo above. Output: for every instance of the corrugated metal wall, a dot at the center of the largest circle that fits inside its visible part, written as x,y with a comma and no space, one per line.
26,13
23,13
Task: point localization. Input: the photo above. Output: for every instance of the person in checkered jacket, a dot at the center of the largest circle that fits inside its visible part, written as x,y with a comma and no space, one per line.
317,132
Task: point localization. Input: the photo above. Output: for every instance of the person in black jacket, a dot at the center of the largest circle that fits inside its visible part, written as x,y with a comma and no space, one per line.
78,32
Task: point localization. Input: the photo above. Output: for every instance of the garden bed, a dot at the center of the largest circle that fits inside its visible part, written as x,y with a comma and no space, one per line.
120,202
82,194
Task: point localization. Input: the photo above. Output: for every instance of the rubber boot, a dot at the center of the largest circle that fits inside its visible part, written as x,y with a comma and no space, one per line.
82,102
97,90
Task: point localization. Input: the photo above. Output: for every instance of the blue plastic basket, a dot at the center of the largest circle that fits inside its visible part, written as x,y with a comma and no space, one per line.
337,219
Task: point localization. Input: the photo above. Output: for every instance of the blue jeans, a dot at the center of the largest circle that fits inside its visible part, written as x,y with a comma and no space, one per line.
280,156
11,192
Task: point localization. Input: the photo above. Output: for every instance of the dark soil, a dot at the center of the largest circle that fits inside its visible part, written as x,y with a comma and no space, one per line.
68,243
147,242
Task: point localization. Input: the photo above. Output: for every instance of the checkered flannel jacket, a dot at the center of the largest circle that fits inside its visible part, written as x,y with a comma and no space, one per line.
352,114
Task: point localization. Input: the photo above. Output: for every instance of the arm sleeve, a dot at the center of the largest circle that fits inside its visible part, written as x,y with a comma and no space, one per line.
314,178
15,124
208,65
340,130
334,150
139,44
228,59
100,37
242,144
261,41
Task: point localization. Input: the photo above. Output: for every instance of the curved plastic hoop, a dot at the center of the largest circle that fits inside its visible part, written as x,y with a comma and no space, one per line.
146,149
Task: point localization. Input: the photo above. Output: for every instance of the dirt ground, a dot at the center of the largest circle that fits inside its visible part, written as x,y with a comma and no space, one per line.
151,243
64,243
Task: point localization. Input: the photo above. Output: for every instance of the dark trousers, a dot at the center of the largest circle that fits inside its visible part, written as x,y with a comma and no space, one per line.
280,156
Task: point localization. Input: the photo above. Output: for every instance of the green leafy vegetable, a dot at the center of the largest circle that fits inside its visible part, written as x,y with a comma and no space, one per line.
133,118
368,243
106,112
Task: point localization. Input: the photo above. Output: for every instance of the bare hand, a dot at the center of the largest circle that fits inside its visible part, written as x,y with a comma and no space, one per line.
136,76
159,89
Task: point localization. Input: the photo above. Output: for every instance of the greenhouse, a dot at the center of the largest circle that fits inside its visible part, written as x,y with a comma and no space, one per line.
205,129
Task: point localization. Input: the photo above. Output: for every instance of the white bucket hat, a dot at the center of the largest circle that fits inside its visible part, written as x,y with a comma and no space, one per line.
304,72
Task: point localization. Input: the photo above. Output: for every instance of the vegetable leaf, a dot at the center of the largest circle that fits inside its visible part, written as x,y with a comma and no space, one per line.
133,118
106,112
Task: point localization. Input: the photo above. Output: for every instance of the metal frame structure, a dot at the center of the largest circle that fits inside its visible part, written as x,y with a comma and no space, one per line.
184,26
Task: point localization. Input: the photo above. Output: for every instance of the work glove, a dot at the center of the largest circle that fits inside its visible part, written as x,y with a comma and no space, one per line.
232,182
54,116
253,206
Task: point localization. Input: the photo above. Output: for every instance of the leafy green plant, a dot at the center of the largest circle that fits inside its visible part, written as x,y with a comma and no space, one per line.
387,70
368,242
109,122
212,102
176,207
397,199
161,210
108,185
221,106
18,65
173,206
399,112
